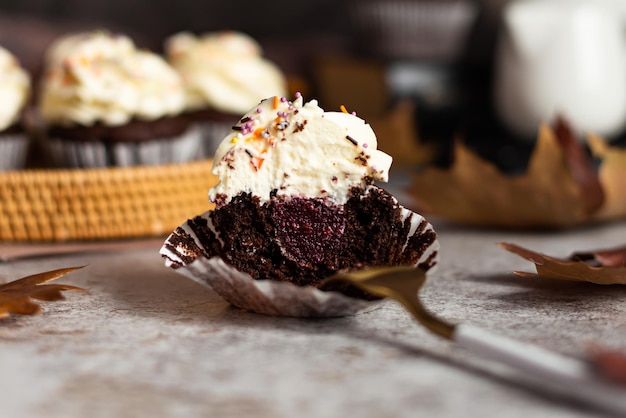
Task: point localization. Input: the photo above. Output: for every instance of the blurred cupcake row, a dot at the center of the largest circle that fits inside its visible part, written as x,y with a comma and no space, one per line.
104,102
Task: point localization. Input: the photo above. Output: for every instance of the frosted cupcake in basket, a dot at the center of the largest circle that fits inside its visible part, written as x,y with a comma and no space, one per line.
105,102
224,74
295,203
14,90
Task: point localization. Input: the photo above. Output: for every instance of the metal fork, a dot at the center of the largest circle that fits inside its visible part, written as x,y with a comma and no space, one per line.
565,376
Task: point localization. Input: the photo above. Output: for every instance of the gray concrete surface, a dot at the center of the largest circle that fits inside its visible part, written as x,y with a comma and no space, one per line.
146,342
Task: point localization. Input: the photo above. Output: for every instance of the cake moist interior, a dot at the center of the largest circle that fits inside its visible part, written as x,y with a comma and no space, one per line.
305,240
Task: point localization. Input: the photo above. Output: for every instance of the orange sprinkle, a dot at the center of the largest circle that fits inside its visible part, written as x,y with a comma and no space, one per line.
258,132
67,79
276,101
261,162
343,109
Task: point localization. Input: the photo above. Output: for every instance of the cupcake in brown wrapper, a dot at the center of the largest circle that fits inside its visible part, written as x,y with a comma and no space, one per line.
106,103
296,203
14,90
202,251
163,141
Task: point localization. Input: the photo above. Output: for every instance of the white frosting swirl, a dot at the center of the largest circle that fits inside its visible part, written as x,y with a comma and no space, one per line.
14,89
98,77
224,71
298,150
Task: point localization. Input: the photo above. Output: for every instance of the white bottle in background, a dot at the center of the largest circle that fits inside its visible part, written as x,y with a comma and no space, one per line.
561,57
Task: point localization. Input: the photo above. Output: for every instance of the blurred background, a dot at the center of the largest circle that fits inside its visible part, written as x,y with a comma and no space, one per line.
439,55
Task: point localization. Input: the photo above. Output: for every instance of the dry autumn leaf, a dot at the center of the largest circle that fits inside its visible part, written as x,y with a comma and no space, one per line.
580,267
611,174
559,189
17,297
397,136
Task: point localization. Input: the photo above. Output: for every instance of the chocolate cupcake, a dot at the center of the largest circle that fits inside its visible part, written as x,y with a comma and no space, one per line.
434,30
296,203
224,74
106,103
14,90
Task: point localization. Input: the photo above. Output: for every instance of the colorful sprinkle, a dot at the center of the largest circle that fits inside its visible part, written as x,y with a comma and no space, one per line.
259,110
283,99
282,125
365,145
354,141
343,109
276,101
298,95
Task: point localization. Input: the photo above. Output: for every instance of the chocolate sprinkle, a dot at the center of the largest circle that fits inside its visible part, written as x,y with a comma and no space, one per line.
354,141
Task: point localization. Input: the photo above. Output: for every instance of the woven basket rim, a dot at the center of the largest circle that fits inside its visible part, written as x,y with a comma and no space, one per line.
102,170
57,205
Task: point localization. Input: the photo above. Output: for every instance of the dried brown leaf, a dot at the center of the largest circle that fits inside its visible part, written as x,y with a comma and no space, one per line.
17,297
572,269
580,166
397,136
612,172
474,191
611,257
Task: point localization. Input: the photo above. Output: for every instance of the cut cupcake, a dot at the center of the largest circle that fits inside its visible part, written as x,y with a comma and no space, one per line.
225,74
296,203
107,103
14,90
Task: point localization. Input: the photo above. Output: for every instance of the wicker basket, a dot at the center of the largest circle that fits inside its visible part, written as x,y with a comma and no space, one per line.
101,204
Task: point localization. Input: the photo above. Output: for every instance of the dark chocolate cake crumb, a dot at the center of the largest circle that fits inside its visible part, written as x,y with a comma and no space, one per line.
305,240
207,239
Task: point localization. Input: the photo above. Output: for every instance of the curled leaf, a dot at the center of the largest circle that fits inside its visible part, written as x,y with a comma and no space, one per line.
580,166
575,268
559,189
611,173
397,135
17,297
612,257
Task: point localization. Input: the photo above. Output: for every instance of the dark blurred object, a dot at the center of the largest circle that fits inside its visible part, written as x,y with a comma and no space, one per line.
358,84
434,30
361,85
422,45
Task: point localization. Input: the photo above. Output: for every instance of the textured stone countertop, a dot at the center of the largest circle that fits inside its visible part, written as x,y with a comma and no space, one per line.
145,341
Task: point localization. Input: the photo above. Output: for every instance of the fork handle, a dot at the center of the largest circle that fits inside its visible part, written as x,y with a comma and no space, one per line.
546,369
